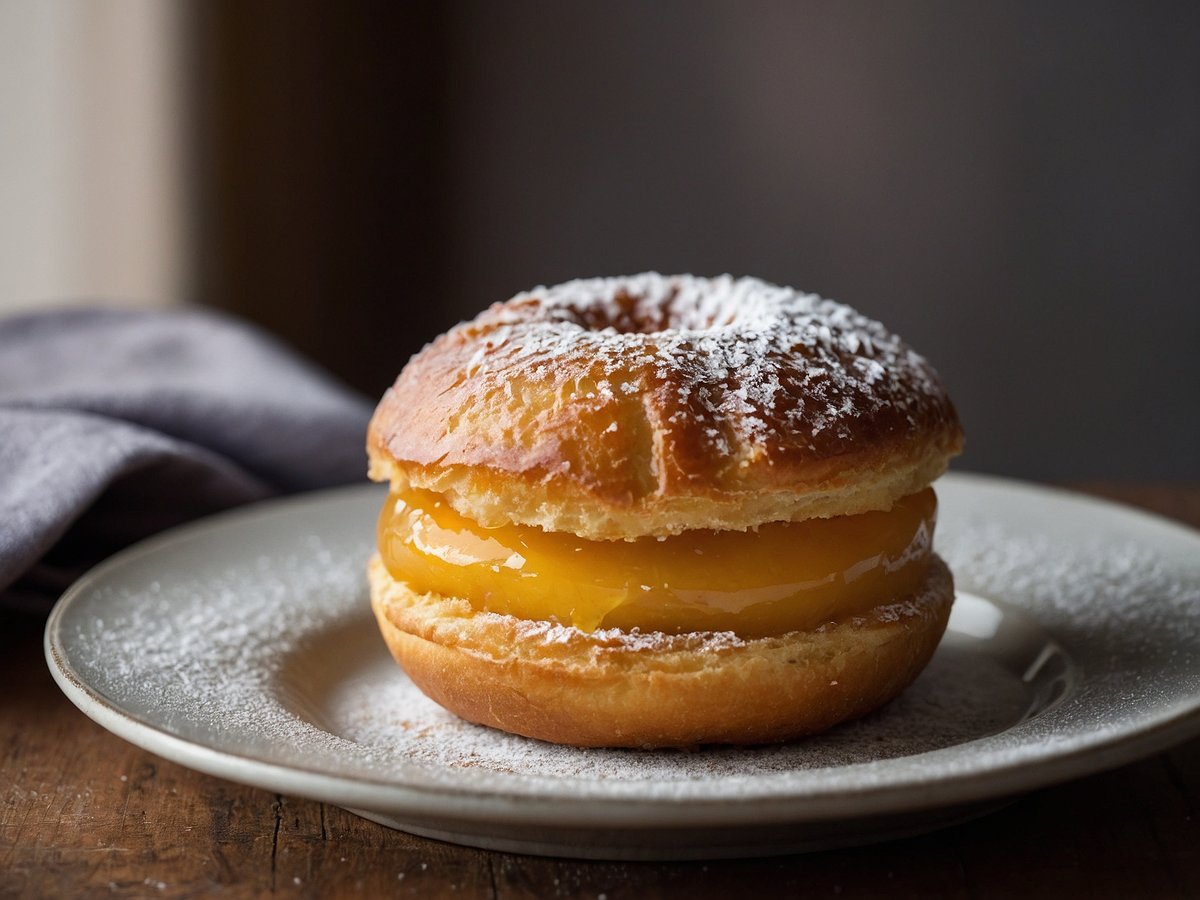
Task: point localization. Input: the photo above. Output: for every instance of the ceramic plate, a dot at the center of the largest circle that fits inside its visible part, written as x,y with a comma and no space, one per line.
243,646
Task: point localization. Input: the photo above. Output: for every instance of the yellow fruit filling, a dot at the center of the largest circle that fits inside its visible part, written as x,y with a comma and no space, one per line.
782,577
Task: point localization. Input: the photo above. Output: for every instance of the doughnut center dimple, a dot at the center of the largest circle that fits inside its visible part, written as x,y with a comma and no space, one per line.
629,313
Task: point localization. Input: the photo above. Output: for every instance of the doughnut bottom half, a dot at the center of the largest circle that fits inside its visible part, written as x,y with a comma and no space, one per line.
613,688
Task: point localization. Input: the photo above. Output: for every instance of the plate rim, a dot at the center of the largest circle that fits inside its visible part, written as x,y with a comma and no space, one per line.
473,804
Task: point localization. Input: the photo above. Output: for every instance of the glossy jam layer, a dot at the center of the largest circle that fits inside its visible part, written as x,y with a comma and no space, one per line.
782,577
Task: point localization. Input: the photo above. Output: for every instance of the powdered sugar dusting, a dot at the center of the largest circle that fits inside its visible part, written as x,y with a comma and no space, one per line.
1100,586
959,698
770,358
553,633
198,654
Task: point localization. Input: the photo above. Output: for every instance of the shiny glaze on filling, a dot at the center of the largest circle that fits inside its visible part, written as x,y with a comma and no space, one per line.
778,578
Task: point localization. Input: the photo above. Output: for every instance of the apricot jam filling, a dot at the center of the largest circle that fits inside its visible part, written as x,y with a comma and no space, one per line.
782,577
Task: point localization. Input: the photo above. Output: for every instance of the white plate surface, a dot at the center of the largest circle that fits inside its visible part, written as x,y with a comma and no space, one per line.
244,646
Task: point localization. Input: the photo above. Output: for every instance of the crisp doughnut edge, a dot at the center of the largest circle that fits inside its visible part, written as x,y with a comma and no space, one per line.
872,479
612,689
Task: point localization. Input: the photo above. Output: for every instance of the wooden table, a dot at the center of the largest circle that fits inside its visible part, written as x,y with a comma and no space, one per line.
84,813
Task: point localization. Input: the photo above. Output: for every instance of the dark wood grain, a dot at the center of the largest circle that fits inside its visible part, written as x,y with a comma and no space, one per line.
82,813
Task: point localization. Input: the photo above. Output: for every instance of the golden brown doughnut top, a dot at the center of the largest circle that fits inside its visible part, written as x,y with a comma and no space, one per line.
619,407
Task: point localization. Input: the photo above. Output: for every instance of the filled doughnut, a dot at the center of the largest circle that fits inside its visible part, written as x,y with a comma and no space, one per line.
662,511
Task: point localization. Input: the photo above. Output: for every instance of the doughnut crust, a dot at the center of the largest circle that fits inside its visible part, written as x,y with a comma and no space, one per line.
627,689
649,405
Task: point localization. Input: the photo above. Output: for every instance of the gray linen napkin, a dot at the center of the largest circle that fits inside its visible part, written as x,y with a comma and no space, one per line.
117,424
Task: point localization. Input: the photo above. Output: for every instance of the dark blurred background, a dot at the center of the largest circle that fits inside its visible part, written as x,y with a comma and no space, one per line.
1013,187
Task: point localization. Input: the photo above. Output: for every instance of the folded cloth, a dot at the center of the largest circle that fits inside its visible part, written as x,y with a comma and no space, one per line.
117,424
